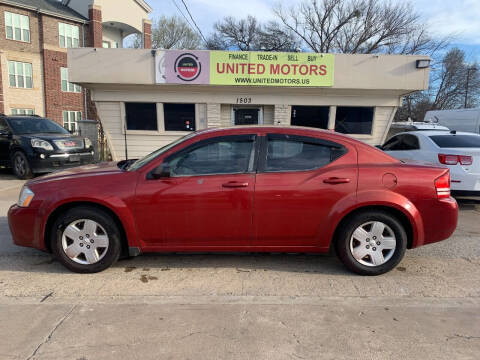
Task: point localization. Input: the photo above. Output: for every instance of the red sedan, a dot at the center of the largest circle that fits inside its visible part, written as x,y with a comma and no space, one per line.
268,189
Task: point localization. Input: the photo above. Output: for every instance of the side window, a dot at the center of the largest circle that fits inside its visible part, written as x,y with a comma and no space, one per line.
225,155
3,126
296,153
410,142
393,144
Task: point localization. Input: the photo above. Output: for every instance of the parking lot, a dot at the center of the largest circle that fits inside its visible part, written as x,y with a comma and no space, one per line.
242,306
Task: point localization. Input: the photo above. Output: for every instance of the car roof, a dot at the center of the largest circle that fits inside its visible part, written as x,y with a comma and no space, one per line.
427,133
274,128
418,125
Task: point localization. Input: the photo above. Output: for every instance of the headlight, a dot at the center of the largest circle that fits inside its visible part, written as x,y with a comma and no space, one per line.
88,143
41,144
26,197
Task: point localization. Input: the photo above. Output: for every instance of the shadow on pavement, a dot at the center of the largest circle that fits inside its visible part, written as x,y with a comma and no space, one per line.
39,262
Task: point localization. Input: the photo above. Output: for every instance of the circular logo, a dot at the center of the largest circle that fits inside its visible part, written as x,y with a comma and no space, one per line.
188,67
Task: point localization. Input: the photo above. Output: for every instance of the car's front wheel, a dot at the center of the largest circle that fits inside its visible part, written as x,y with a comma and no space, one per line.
21,166
86,240
371,242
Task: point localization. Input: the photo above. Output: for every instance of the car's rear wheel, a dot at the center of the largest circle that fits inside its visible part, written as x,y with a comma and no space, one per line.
371,242
86,240
21,166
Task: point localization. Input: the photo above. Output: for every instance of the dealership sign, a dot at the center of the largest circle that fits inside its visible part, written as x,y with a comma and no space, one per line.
243,68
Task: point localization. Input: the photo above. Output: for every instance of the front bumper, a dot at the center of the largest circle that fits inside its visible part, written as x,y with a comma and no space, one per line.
54,162
24,227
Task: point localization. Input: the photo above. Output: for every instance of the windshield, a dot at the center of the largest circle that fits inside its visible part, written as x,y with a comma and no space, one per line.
145,160
27,125
457,141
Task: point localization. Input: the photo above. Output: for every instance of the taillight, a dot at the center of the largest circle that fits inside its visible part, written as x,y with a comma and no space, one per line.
455,159
442,185
465,159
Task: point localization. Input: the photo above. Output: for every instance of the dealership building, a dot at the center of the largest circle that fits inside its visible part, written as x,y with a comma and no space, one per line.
148,98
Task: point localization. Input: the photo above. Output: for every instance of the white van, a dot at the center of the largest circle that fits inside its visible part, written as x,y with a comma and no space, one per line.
467,120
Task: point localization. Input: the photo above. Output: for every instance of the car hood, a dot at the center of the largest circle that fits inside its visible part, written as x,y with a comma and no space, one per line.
101,169
49,136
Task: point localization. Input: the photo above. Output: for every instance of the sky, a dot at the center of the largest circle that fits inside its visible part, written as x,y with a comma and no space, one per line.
443,17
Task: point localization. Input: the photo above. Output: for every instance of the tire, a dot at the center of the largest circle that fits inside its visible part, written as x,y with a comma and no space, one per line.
363,251
84,231
20,165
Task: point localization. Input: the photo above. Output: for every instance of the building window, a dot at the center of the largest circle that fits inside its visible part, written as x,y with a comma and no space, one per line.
68,86
69,35
20,74
311,116
179,117
141,116
115,45
23,112
70,119
17,27
354,120
106,44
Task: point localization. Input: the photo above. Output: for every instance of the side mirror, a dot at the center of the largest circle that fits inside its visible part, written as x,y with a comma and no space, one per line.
162,171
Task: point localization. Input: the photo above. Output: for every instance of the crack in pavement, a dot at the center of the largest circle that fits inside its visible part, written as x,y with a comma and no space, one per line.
49,337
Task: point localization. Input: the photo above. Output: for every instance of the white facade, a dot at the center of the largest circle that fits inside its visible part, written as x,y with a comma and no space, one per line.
373,82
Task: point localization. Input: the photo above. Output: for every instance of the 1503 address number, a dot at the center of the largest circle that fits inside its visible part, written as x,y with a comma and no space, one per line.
244,100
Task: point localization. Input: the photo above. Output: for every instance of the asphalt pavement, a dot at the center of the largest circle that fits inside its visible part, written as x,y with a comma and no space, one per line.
242,306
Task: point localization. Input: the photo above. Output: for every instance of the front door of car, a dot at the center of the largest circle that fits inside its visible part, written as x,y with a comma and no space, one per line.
299,185
205,198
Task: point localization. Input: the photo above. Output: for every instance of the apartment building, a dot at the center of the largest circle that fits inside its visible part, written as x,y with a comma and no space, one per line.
34,38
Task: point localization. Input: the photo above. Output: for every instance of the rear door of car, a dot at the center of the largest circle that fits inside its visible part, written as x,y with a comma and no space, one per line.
300,180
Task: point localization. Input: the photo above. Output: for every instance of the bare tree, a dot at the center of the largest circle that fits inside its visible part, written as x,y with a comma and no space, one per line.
248,34
450,82
358,26
171,33
453,83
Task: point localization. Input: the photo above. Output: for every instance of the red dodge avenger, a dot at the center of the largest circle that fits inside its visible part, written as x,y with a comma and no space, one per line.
260,189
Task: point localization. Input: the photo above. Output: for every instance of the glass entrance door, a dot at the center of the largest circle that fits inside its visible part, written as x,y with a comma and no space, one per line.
246,116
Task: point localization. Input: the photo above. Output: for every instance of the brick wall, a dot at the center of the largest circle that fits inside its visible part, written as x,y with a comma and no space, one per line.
147,34
95,27
51,33
14,45
56,100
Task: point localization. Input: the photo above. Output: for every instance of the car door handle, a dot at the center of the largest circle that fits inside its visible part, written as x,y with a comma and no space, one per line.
336,180
235,184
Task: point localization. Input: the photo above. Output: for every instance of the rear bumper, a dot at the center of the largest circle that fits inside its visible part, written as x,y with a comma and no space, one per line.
441,222
465,193
56,162
25,227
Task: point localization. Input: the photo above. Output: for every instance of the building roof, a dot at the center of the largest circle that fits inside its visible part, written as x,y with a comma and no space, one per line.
51,7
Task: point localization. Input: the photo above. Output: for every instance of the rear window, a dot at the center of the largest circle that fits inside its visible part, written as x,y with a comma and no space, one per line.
456,141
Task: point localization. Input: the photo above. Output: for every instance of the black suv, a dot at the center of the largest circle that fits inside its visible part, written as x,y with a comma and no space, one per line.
32,144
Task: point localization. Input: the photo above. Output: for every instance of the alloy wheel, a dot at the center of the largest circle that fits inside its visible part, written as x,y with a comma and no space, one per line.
373,243
85,241
19,164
